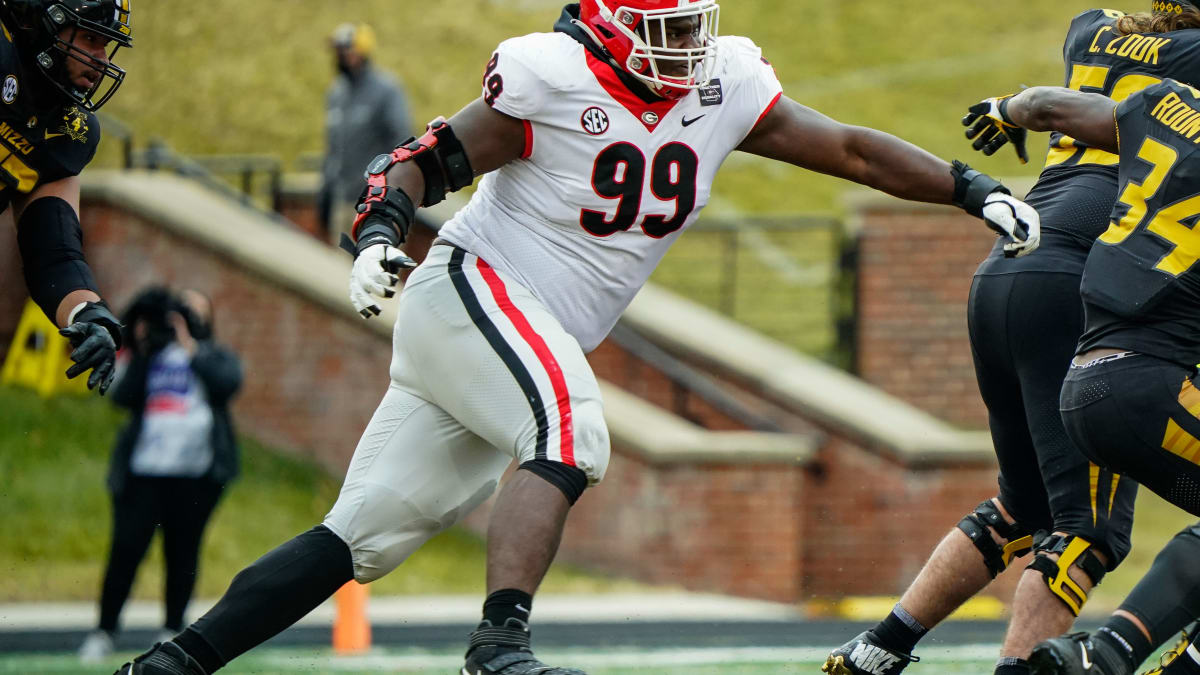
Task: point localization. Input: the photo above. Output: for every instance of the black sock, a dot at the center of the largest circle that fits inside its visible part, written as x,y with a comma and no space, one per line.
1126,639
899,631
274,592
1167,598
198,648
1011,665
506,603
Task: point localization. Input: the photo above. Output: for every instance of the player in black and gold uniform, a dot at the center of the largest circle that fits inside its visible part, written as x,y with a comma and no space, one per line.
1129,401
1025,318
55,70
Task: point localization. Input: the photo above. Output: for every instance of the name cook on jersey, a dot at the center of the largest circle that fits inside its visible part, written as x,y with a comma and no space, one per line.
1141,48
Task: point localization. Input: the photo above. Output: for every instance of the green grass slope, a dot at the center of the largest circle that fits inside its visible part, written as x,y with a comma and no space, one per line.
57,518
229,76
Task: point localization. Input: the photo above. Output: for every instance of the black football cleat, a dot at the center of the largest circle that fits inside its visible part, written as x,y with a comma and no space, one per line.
864,656
505,650
1076,654
166,658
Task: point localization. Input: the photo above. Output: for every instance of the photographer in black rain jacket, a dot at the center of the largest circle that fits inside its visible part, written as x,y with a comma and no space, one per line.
173,459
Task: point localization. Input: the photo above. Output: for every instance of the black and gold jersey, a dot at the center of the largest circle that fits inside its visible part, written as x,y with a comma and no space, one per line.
1078,185
1100,60
39,143
1141,284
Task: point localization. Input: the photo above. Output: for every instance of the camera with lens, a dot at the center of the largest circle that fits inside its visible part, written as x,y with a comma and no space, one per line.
147,323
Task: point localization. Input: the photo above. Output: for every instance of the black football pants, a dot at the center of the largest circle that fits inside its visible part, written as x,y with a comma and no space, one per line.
182,506
1139,416
1024,328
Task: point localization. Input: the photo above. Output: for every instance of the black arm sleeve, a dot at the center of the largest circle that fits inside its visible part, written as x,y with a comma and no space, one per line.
51,244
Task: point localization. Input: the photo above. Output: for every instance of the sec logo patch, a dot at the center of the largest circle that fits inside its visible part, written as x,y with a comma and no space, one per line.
9,92
594,121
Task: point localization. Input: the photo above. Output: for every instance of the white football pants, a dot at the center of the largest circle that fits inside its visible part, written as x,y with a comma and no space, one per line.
482,374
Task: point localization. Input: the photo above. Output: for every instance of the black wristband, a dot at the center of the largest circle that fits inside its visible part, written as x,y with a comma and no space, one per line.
98,313
376,229
971,188
1002,108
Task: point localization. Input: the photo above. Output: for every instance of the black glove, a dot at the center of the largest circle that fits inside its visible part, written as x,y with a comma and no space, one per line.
95,337
993,127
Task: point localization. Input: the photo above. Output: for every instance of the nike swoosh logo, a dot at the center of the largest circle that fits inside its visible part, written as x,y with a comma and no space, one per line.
687,122
1087,663
50,135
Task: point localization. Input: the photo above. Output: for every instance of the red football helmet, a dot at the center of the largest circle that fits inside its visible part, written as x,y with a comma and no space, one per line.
630,29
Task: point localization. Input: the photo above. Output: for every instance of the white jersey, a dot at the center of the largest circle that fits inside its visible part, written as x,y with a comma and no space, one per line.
607,180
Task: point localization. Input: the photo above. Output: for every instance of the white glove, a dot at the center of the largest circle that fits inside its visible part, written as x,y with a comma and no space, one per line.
1015,220
374,274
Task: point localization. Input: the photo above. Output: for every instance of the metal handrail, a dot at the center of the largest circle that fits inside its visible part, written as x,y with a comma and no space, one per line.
112,126
160,156
246,166
687,379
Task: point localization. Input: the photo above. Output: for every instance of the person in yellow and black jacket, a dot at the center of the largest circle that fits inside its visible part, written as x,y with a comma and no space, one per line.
56,69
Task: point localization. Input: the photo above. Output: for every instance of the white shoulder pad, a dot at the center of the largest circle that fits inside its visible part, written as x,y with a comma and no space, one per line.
748,78
738,58
525,70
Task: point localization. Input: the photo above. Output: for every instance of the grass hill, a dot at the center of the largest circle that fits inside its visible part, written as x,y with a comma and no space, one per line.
229,76
57,518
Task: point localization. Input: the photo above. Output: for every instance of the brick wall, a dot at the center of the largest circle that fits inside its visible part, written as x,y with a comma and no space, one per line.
872,522
852,523
311,380
914,275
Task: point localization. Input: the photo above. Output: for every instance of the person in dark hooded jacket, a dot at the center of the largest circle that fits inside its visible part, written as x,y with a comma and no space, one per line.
173,459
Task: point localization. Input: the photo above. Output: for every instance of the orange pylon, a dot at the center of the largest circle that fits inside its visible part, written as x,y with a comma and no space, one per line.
351,629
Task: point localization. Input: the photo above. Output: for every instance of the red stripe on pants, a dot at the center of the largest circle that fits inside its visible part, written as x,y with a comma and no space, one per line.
544,356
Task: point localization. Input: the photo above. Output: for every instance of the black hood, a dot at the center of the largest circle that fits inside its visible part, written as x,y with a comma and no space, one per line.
566,24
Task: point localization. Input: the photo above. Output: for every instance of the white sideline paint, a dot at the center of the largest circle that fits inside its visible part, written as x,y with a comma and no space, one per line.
440,610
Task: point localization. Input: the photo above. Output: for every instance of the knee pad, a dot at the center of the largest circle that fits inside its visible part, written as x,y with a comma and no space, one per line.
978,525
1071,550
572,481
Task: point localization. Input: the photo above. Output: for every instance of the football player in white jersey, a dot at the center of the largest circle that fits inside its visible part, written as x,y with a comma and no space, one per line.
599,142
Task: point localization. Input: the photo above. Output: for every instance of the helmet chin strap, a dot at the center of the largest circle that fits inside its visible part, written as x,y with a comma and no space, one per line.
591,34
655,88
